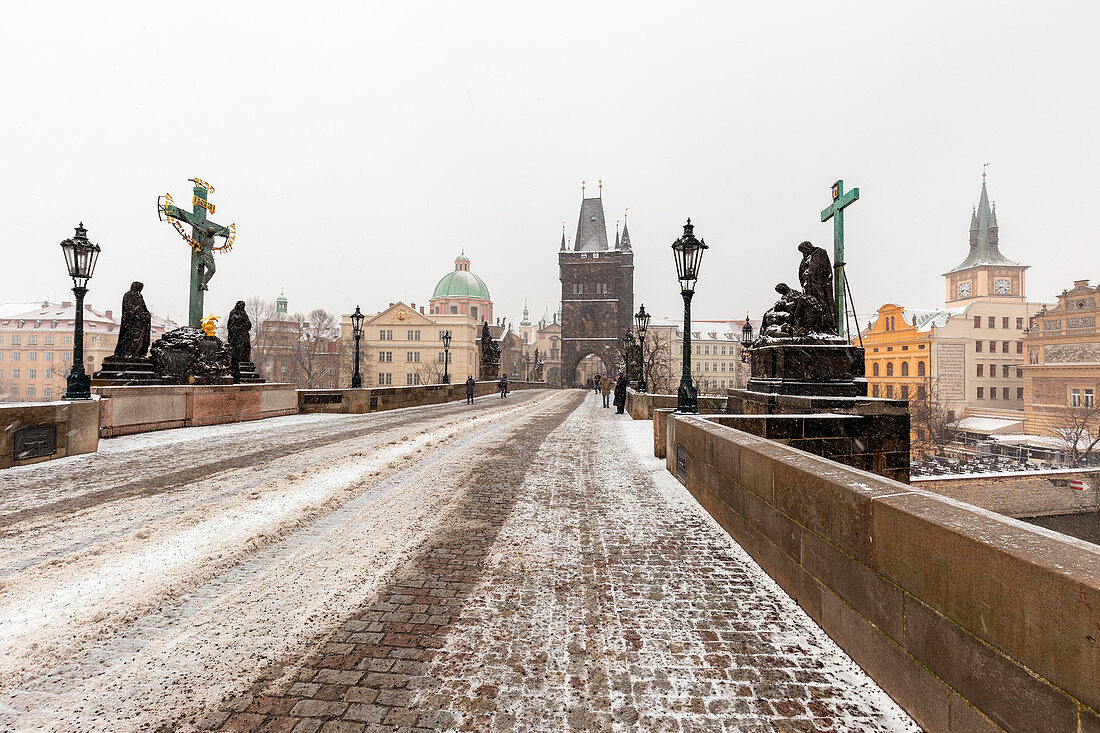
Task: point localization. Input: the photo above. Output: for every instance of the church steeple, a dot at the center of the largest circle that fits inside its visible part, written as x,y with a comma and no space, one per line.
984,249
625,241
985,273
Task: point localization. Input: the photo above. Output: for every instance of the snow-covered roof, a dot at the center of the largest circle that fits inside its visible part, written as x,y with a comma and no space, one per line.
7,310
988,425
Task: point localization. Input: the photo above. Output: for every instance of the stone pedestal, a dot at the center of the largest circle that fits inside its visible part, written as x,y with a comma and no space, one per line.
820,370
244,372
125,370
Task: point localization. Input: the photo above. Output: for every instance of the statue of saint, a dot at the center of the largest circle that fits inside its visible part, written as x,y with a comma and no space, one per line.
489,354
238,325
815,273
134,327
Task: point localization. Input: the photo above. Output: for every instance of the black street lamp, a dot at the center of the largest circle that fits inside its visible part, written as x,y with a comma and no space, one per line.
80,258
641,322
746,340
446,356
688,252
357,331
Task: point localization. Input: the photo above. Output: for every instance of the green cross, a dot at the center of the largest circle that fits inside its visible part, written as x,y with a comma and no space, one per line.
202,257
835,211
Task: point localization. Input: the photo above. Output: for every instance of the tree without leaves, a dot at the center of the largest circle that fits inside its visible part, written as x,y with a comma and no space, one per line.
932,419
260,312
1078,430
315,354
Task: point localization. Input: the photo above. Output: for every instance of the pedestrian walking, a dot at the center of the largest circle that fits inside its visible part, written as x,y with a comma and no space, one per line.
620,394
469,389
596,384
605,389
503,384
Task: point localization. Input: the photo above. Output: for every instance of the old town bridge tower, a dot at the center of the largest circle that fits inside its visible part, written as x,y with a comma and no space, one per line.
597,292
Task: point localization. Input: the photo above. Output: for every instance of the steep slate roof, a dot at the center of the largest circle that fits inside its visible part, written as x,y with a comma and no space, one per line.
625,242
984,251
591,228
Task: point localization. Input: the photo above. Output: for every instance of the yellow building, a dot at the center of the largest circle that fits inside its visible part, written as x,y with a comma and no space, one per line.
402,345
898,353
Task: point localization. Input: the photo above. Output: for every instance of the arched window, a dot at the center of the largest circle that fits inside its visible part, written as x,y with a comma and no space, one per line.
905,369
454,309
874,369
920,368
889,368
473,312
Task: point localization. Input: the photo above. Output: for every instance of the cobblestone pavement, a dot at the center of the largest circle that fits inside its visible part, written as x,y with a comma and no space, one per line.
577,587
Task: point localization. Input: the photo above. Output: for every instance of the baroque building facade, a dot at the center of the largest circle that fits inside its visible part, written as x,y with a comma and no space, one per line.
597,293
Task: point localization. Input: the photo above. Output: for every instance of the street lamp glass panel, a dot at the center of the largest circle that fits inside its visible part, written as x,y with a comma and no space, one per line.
446,339
689,254
357,321
80,257
641,320
746,334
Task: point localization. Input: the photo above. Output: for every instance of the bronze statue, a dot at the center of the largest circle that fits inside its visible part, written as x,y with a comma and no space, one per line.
134,326
489,354
815,273
237,326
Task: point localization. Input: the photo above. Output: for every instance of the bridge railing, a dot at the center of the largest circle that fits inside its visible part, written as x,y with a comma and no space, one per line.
375,399
970,620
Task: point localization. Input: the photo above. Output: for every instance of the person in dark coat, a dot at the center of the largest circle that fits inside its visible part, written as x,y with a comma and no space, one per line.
620,394
469,389
503,384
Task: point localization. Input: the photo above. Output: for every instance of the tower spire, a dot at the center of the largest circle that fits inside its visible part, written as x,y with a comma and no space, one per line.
616,234
563,236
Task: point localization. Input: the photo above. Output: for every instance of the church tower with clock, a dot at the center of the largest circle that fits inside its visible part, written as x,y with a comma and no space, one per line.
985,273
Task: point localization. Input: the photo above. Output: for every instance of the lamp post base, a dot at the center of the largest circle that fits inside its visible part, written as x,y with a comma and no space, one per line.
78,386
687,398
357,381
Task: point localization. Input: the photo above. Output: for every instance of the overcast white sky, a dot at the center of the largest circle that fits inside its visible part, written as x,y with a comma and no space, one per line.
358,147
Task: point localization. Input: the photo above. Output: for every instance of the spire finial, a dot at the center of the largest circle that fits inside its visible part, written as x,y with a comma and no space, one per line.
601,187
582,189
984,166
625,212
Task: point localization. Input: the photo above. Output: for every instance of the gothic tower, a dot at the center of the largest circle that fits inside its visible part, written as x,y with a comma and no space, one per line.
597,292
985,273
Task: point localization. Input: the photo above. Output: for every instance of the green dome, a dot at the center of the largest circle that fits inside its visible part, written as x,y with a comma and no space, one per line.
461,284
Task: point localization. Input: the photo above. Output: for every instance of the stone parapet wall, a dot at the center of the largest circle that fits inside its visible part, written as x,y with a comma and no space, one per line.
640,405
1024,494
970,620
376,399
74,426
141,409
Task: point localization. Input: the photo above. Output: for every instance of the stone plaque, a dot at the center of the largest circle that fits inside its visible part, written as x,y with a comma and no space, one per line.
34,442
951,372
374,403
322,399
682,464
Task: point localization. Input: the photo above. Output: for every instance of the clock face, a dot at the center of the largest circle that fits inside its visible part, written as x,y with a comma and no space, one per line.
1001,287
964,289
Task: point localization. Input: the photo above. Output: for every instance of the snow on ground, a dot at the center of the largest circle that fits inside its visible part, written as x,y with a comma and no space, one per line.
171,615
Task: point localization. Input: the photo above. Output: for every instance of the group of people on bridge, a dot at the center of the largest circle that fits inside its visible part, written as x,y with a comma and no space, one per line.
605,384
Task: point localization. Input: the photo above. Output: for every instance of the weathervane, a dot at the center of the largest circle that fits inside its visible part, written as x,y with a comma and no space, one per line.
201,240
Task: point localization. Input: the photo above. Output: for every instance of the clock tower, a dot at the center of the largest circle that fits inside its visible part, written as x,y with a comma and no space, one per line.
985,273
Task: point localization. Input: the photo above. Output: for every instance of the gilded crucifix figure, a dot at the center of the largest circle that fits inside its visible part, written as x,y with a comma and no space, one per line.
201,240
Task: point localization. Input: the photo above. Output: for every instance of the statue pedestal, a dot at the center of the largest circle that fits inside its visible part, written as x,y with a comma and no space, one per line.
125,370
244,372
188,356
820,370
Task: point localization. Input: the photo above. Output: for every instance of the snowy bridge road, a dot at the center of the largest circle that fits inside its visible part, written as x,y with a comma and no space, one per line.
519,565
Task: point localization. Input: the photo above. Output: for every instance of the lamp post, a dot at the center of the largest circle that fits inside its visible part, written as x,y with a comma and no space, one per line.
446,356
357,331
746,340
641,323
80,258
688,252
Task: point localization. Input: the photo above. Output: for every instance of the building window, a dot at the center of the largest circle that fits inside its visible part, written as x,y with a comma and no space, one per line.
874,390
32,340
1004,347
981,370
905,391
48,392
385,378
1004,322
1,373
15,374
1087,397
66,357
905,348
992,321
473,312
992,393
412,356
49,356
920,392
992,347
889,368
1019,347
385,334
14,391
30,391
32,374
889,391
16,339
1004,371
32,356
981,392
412,379
1004,392
977,321
67,340
414,335
49,374
905,369
385,356
1019,393
874,369
15,355
1019,373
1019,323
978,346
920,368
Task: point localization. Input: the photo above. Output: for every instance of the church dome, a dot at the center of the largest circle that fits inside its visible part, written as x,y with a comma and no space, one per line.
461,283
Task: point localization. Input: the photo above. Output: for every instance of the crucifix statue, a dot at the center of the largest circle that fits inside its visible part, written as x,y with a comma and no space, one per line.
835,211
201,240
